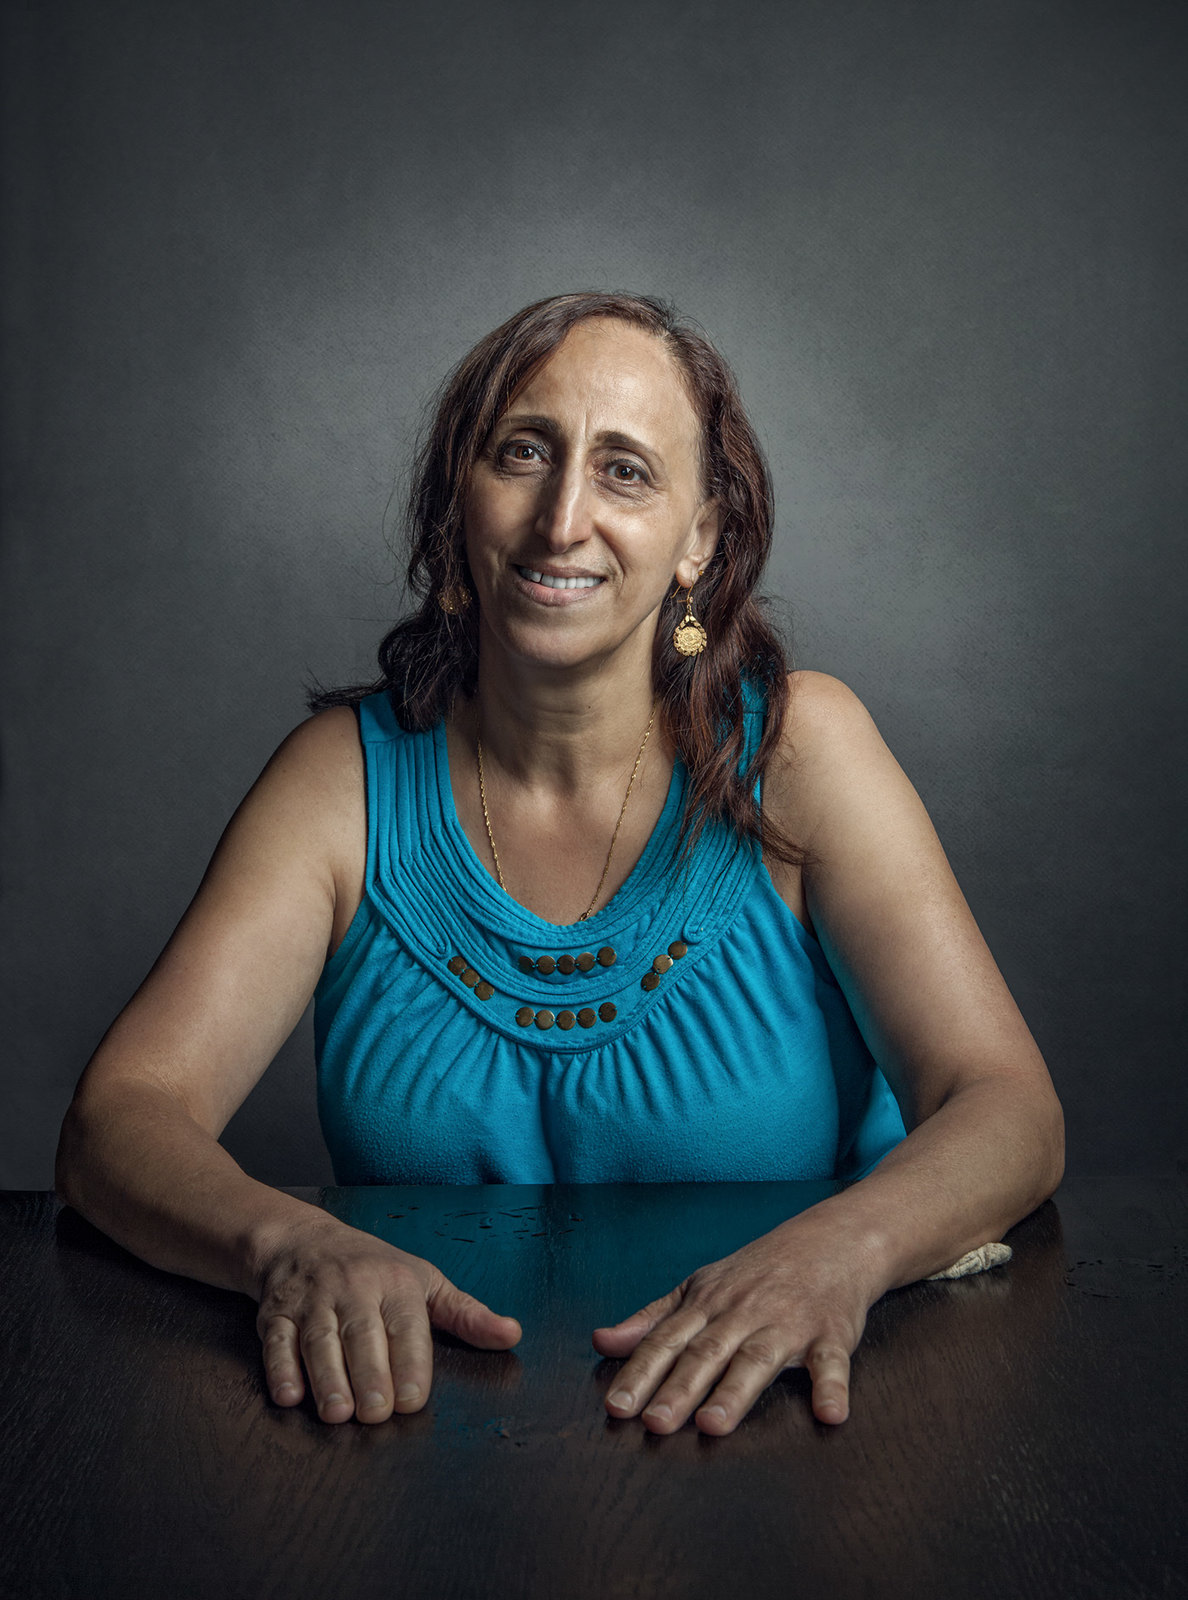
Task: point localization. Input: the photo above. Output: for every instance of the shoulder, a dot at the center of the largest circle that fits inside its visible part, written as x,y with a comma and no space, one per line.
322,743
319,763
831,763
825,723
309,801
822,709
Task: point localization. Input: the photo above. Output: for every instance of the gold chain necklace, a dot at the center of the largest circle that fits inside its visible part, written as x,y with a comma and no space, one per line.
614,836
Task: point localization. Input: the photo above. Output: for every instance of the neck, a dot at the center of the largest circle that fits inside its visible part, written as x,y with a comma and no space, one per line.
559,730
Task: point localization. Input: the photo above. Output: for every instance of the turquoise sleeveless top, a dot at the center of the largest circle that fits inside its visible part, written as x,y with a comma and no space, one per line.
689,1030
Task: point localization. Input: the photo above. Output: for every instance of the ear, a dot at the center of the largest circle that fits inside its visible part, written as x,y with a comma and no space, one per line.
703,541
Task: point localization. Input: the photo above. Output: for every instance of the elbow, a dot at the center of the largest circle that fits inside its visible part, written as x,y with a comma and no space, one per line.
67,1161
78,1161
1048,1124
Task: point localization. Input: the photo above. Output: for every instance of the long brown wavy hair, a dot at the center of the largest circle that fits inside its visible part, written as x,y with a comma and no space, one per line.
431,657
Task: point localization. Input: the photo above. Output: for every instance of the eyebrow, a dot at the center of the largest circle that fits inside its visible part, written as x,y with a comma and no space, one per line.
549,425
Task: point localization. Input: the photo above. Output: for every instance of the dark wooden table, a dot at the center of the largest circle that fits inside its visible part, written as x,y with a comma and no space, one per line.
1015,1435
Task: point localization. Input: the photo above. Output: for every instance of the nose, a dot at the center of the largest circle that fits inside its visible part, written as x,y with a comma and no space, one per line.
564,516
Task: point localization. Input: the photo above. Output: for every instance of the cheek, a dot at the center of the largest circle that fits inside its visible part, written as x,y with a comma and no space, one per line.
488,517
478,527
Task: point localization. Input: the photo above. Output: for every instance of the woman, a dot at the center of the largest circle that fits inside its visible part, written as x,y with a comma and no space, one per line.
554,934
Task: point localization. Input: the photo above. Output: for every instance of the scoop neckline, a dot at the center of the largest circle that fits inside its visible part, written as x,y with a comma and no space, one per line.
621,904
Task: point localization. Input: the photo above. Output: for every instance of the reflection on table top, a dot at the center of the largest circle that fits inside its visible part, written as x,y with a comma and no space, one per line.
1016,1434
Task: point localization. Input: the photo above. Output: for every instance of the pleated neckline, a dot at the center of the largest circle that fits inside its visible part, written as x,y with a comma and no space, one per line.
504,914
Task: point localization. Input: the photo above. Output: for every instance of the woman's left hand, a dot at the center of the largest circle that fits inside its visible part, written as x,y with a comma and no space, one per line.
710,1347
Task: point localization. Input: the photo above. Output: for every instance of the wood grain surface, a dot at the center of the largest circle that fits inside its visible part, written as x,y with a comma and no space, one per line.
1019,1435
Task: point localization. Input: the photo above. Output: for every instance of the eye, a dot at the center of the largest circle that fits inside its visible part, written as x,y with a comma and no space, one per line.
520,452
626,472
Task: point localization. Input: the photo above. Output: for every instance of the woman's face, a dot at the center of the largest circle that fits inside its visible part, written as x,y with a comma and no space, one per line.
586,502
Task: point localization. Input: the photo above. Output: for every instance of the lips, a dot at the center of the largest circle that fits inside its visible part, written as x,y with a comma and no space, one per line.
553,581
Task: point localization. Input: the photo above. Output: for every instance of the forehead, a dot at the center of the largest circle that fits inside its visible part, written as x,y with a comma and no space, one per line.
612,376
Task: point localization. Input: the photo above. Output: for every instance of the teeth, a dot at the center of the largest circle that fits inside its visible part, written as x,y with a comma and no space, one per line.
550,582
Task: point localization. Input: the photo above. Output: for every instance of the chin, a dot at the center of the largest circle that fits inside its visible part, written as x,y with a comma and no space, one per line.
551,649
558,658
563,643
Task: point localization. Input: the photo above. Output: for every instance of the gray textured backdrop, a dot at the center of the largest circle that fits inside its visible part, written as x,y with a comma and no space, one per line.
941,243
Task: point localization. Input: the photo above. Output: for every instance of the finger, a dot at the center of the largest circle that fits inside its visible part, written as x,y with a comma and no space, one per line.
757,1362
321,1351
282,1361
653,1359
454,1311
410,1354
365,1348
706,1357
828,1364
621,1338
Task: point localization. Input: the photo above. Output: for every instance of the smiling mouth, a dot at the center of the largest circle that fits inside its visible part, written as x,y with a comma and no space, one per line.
551,582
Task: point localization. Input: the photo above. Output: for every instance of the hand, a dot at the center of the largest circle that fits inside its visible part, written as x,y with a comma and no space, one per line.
715,1342
357,1312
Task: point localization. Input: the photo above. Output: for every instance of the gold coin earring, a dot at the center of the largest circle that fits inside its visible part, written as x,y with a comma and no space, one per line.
689,637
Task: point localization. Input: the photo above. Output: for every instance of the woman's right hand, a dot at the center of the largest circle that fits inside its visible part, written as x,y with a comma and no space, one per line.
356,1314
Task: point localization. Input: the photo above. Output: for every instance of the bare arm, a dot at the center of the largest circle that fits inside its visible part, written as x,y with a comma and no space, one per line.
985,1142
139,1152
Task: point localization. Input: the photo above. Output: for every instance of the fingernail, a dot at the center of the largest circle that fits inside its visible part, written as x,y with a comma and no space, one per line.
659,1413
285,1388
408,1392
717,1412
622,1400
373,1399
